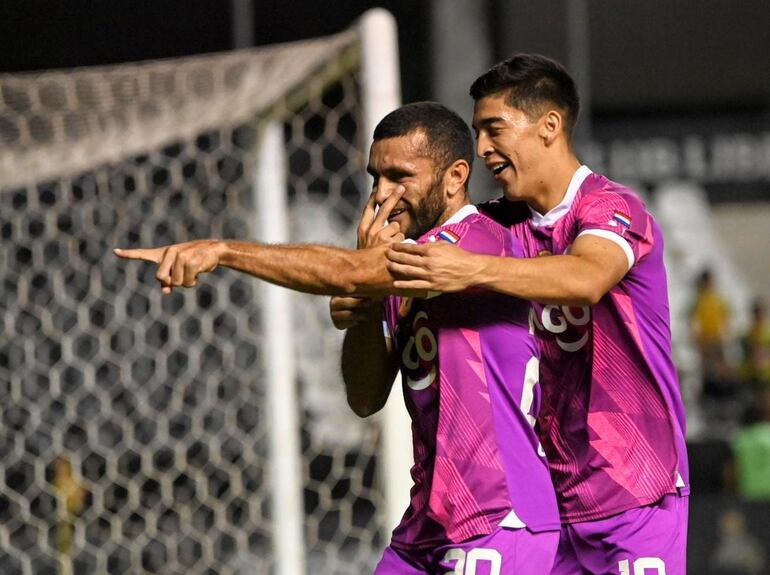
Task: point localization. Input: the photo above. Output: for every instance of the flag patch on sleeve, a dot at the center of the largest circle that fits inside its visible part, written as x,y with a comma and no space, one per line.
622,218
448,236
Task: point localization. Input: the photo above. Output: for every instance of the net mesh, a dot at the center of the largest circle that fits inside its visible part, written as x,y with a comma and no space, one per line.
133,435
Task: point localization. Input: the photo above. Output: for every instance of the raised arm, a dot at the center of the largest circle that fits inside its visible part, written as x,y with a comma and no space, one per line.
369,365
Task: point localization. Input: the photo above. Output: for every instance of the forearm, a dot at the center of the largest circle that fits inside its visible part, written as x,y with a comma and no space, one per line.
368,366
563,280
310,268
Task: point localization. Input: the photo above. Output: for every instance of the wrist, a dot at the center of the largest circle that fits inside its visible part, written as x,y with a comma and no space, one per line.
225,252
485,275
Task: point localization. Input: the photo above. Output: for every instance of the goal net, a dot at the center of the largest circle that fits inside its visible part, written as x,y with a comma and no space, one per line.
135,433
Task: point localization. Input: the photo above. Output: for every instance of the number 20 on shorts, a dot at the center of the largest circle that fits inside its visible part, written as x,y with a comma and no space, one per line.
466,562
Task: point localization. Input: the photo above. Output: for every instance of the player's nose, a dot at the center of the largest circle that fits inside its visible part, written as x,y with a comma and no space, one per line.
483,145
384,191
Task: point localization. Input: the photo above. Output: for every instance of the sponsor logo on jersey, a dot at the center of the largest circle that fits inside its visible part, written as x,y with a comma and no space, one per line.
569,325
419,354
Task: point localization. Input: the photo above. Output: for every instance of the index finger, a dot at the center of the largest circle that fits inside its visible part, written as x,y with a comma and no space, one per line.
154,255
387,207
370,211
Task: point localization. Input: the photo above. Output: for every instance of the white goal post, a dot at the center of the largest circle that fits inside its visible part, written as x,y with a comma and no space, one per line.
204,432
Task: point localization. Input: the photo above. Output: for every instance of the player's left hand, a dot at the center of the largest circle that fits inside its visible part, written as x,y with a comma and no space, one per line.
179,265
347,312
439,267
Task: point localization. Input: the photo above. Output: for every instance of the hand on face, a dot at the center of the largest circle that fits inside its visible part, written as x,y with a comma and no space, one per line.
179,265
374,228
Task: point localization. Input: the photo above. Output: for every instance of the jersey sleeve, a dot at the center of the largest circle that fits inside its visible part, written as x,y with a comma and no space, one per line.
620,217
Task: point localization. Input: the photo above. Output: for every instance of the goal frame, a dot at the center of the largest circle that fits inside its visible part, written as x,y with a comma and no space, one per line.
380,87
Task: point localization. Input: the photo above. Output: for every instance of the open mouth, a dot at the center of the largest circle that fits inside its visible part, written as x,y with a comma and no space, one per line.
498,168
397,211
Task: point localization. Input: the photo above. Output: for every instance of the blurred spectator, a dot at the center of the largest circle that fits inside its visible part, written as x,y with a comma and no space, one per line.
751,448
724,398
756,349
710,322
72,496
738,552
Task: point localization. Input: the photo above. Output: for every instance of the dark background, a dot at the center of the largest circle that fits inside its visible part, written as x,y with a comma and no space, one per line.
651,58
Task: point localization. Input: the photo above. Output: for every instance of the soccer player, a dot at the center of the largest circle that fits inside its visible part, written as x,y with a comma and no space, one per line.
612,421
482,500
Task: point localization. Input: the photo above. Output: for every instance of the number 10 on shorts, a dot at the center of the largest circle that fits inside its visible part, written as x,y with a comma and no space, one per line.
643,566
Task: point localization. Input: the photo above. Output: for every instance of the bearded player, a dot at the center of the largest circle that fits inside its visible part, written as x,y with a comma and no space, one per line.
482,500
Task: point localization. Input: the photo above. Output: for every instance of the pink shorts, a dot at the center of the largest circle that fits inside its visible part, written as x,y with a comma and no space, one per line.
501,552
649,540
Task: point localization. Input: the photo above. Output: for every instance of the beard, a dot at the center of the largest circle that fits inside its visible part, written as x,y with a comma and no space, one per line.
429,211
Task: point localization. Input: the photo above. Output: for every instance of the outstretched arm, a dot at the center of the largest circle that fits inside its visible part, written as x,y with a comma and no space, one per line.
308,268
593,266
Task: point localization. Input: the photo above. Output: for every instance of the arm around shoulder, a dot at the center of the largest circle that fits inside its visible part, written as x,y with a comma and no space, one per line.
591,268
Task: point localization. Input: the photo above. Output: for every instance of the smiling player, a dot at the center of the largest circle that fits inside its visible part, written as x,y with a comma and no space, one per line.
612,421
482,500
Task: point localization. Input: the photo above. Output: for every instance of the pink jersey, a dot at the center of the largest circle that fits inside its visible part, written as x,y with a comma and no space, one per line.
469,369
612,420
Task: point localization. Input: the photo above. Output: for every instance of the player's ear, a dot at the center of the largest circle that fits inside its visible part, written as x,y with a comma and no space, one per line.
551,125
456,176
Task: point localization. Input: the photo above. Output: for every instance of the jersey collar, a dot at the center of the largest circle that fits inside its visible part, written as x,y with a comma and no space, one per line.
554,214
461,214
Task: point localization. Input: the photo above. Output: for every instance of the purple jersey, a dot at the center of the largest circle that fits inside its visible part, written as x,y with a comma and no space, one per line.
612,420
469,369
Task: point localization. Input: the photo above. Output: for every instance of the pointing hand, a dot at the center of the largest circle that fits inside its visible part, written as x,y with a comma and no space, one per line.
179,265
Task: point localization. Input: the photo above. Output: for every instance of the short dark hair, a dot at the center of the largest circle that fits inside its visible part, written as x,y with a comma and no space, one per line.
448,136
531,81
